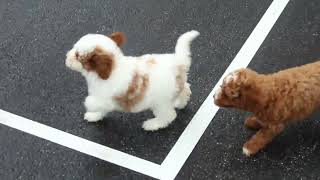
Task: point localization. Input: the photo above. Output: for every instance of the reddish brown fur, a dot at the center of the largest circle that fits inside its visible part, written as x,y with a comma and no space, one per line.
98,61
135,92
264,136
275,99
252,122
118,37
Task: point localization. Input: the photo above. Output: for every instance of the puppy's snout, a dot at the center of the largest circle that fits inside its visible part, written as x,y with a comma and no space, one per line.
217,92
72,62
69,57
68,62
215,95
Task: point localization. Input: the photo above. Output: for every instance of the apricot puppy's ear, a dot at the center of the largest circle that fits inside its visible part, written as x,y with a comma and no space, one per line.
118,37
232,91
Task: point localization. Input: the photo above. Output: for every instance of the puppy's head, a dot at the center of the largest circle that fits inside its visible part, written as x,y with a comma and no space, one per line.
96,53
238,90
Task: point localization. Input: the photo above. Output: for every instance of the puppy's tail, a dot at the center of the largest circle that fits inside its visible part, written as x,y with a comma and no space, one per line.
183,46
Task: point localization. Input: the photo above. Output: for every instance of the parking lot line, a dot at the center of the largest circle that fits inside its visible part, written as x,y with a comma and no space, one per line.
80,144
199,123
190,136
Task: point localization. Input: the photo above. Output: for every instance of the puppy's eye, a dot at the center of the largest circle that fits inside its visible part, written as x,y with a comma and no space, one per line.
77,55
232,93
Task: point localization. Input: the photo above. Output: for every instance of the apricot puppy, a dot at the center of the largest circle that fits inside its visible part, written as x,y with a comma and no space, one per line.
274,99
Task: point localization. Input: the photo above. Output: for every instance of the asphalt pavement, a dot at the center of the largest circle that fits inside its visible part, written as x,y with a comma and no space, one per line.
34,83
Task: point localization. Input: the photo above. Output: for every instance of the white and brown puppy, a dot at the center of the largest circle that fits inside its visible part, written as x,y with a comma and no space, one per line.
132,84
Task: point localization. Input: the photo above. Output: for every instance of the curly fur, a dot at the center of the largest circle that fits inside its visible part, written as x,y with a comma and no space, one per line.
274,99
132,84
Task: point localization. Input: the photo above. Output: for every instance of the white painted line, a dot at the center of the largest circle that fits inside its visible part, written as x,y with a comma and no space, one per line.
191,135
80,144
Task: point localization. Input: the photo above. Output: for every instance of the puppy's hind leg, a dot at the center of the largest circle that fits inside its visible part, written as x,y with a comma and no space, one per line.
164,115
183,98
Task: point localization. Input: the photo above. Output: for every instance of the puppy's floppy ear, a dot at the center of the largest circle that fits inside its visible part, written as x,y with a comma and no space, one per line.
101,62
232,91
230,85
118,37
234,82
240,81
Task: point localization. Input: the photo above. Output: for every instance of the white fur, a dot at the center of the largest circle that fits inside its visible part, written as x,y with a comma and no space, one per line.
161,95
218,93
233,76
246,151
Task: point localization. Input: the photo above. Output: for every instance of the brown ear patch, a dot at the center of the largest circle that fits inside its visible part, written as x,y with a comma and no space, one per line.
118,37
135,92
99,61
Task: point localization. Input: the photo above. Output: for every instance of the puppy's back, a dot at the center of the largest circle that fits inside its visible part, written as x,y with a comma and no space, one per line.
297,90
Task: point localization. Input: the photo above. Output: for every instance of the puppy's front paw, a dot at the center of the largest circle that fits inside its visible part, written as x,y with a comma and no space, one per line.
154,124
250,148
93,116
246,151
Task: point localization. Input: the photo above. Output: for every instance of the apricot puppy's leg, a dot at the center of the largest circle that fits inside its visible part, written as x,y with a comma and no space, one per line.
252,123
261,139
